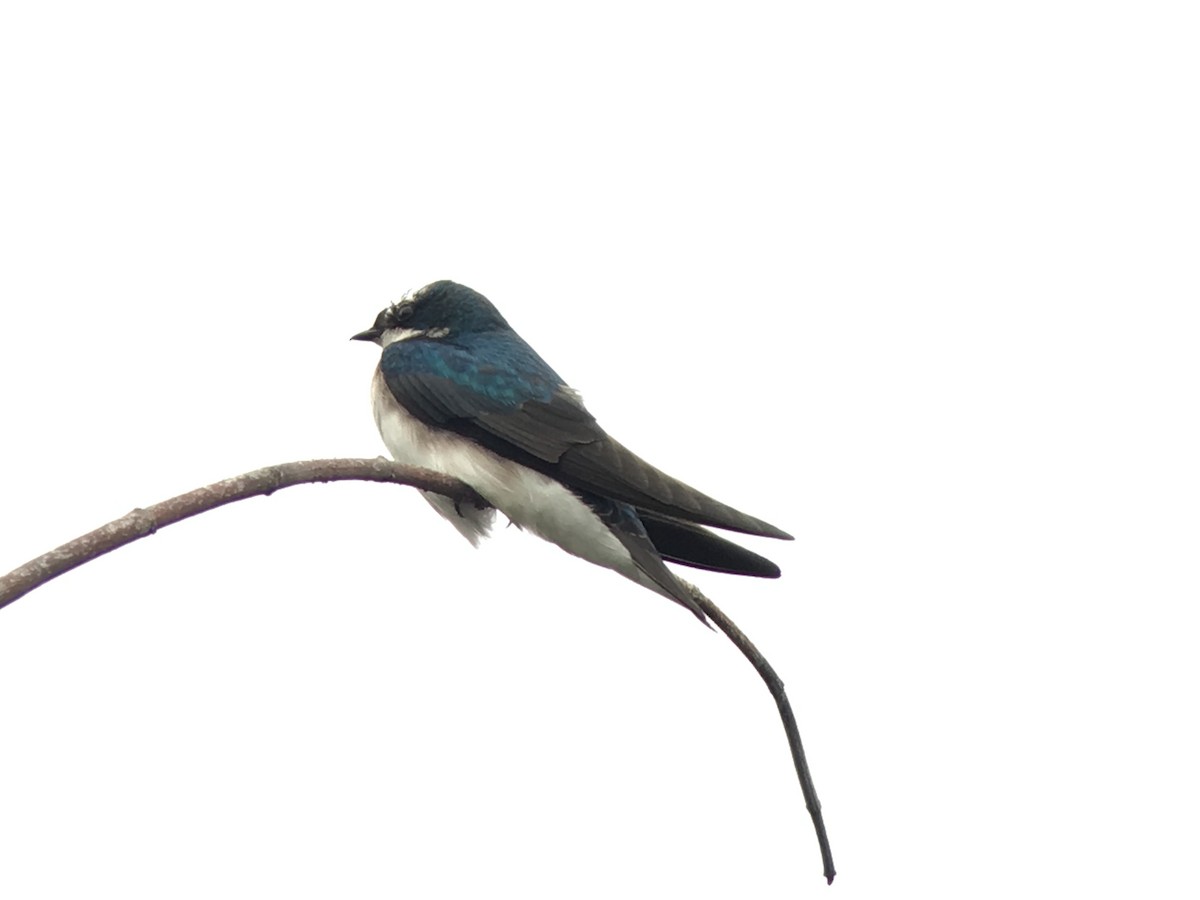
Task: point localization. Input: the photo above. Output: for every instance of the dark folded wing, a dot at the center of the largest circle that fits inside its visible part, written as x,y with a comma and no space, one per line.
607,467
519,408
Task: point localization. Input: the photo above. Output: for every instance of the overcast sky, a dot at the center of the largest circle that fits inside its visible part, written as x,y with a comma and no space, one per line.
915,282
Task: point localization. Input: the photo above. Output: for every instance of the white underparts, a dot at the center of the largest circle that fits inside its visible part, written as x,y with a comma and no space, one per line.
529,499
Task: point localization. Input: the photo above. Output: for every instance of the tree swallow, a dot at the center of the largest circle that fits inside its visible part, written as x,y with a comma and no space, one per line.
459,392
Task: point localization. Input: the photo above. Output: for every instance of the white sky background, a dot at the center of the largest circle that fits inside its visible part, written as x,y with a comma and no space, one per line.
916,282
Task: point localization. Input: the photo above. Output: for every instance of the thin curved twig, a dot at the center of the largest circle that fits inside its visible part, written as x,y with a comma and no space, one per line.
775,686
142,522
261,482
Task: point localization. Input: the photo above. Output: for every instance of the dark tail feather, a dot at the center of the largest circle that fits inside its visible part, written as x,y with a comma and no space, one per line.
692,545
622,520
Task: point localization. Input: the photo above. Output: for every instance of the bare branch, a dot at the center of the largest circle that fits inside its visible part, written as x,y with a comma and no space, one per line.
775,686
142,522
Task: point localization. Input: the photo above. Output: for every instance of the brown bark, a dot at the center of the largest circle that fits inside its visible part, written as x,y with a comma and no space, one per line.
142,522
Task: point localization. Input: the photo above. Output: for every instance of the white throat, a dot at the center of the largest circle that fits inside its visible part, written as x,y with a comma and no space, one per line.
395,335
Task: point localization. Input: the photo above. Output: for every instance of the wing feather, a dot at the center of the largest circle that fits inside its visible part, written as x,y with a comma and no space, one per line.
520,409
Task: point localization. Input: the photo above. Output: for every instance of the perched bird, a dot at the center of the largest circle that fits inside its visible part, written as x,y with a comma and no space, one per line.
459,392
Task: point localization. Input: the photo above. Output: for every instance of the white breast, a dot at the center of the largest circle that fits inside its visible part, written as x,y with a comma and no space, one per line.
529,499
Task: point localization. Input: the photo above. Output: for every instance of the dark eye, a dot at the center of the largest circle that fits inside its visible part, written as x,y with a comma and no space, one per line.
402,313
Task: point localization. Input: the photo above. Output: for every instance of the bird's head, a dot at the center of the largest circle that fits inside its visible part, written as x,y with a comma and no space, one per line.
437,311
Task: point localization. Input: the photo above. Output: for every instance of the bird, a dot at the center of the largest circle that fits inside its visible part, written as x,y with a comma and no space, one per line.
459,392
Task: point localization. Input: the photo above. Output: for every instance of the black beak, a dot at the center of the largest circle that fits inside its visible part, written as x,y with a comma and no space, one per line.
371,334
